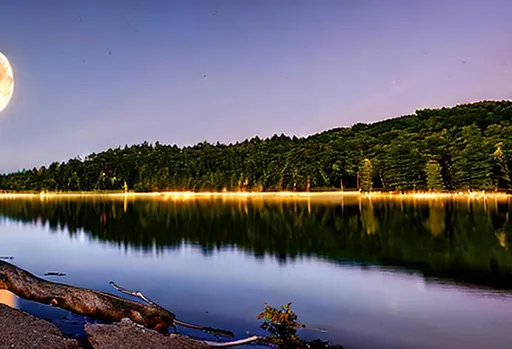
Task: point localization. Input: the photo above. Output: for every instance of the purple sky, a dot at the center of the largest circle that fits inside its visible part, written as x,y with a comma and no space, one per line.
96,74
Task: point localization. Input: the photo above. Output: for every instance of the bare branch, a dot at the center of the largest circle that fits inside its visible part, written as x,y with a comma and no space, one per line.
139,294
212,330
314,329
133,293
235,343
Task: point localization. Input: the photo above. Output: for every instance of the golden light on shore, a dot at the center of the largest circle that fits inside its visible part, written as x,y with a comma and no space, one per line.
6,82
245,195
7,298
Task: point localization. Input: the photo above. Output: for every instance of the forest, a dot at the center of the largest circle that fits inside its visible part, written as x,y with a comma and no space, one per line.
466,147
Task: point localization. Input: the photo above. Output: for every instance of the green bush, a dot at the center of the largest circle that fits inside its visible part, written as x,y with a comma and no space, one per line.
282,326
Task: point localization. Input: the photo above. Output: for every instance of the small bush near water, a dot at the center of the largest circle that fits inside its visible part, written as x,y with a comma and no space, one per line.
282,326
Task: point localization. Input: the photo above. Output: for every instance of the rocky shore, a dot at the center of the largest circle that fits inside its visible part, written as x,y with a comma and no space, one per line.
19,330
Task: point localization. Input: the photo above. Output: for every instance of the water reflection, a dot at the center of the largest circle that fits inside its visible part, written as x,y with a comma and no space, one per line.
215,262
436,219
466,241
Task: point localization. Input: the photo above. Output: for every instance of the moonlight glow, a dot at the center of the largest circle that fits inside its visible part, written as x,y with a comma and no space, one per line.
6,82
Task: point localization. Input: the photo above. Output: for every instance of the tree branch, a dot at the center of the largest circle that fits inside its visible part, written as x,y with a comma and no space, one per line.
176,321
132,293
235,343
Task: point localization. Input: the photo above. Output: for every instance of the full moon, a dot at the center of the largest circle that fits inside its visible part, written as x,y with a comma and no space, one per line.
6,82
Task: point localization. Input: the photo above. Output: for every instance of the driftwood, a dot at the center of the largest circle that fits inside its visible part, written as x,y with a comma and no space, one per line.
96,304
54,273
82,301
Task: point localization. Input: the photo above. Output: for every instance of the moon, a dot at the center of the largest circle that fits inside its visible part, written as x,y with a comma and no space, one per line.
6,82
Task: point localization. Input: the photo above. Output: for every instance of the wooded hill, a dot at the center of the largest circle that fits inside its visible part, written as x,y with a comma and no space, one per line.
467,147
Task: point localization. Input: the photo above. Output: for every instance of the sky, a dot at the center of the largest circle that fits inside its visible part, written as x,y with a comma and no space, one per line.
94,74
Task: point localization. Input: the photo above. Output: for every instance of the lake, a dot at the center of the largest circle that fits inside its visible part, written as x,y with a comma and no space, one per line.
374,273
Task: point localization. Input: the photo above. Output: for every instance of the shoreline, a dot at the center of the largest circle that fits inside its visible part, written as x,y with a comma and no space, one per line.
326,195
21,329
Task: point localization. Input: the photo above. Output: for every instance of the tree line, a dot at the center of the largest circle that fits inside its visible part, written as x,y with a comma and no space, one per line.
466,147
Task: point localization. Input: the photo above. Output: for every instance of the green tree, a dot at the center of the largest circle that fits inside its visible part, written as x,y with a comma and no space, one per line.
74,182
500,171
434,177
366,175
337,170
402,163
473,164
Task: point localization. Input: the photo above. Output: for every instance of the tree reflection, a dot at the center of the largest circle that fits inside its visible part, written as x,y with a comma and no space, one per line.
436,221
463,241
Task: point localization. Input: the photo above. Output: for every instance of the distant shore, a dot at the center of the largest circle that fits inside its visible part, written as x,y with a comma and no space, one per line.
325,195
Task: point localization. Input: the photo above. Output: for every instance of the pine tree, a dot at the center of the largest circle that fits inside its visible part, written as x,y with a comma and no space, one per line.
434,177
472,165
403,165
74,182
366,176
500,171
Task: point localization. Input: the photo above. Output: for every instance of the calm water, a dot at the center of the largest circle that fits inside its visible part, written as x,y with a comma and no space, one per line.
382,274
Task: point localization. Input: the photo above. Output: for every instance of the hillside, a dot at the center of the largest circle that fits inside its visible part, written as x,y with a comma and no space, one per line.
465,147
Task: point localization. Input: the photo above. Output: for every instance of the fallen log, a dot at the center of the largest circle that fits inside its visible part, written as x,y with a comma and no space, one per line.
96,304
82,301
